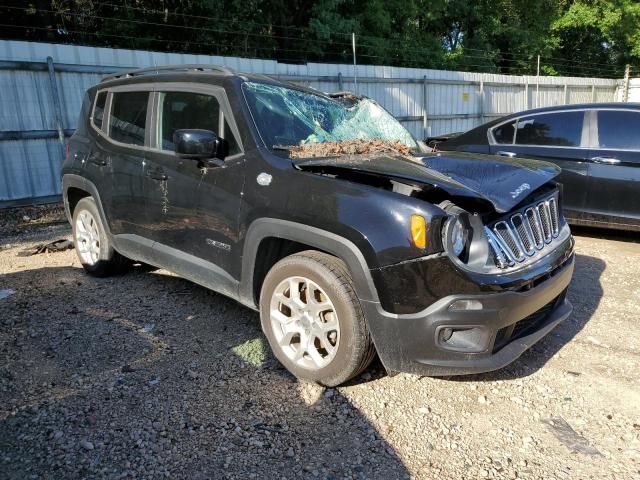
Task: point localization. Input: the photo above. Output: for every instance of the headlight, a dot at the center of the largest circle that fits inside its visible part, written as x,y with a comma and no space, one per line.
458,237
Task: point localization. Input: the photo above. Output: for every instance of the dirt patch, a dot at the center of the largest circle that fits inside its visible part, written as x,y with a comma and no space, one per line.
19,220
351,147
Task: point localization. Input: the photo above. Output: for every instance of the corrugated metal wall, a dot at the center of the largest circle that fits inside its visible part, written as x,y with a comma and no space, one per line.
634,90
450,101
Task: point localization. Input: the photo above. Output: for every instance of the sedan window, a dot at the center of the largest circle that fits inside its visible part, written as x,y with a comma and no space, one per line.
619,129
562,129
504,133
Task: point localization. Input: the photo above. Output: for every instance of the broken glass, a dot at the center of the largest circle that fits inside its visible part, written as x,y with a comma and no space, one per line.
287,116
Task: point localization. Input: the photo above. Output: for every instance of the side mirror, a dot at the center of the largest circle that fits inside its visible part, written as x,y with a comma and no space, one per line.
197,144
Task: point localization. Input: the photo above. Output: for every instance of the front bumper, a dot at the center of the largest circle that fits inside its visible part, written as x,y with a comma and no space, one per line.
447,340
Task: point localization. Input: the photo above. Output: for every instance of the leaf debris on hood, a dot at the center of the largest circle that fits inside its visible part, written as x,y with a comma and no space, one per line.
349,147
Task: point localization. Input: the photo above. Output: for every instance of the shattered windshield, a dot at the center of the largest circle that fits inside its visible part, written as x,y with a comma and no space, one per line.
290,117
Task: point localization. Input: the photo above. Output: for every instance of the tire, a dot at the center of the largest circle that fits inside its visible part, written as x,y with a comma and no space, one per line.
329,343
93,246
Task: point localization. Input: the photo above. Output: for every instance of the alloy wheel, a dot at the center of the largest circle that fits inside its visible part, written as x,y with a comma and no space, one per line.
304,322
87,238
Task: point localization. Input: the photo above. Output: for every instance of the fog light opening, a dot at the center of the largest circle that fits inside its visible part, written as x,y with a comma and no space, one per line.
466,305
446,334
463,339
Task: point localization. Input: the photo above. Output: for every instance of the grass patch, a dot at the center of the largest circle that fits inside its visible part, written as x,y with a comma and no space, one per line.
251,351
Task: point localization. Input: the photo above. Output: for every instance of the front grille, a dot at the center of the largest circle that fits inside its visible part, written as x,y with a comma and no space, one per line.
524,233
528,324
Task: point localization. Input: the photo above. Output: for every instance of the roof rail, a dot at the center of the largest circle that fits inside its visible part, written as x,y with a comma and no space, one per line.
168,68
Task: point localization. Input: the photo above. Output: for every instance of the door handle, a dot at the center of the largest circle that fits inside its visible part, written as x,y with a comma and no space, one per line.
504,153
157,175
607,160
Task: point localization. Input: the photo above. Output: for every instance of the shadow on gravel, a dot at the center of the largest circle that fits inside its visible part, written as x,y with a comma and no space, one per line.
585,293
148,375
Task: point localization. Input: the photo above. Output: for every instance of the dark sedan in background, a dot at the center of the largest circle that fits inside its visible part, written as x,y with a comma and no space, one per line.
596,145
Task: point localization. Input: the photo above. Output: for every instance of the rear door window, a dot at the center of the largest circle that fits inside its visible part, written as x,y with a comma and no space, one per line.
127,123
619,129
562,129
98,111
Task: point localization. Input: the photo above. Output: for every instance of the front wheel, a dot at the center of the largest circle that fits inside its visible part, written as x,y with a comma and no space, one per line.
313,320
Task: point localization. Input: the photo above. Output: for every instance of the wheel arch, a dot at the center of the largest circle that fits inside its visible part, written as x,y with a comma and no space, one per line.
263,248
74,188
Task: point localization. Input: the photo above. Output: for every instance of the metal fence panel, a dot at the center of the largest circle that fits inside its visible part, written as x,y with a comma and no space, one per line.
634,90
428,102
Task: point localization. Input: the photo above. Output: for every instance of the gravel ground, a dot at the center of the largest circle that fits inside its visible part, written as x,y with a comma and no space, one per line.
146,375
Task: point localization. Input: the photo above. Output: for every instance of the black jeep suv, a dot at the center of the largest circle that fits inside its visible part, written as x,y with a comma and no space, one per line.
324,214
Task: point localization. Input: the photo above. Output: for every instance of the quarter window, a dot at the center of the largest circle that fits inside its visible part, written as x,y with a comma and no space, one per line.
128,117
618,129
181,110
504,133
553,129
98,111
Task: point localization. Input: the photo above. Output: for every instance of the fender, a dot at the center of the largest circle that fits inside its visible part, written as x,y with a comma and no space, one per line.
314,237
70,180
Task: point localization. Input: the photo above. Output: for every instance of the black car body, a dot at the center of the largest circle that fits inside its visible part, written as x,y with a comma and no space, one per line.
596,145
433,142
481,277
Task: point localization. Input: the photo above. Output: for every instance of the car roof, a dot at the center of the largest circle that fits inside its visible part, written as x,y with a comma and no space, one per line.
579,106
190,72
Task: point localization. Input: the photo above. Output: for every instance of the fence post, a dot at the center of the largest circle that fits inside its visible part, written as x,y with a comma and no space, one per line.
57,106
340,83
625,86
481,98
526,94
538,84
425,126
564,96
593,93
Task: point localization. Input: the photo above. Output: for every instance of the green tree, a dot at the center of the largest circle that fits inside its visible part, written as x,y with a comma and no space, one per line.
573,37
602,33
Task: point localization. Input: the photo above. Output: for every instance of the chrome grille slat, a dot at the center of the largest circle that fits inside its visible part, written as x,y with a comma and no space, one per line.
523,229
504,258
543,212
534,224
553,209
524,233
507,239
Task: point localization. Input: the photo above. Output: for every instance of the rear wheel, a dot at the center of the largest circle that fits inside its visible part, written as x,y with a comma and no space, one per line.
313,320
94,249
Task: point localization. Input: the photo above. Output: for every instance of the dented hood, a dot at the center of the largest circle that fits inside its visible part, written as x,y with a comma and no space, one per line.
502,182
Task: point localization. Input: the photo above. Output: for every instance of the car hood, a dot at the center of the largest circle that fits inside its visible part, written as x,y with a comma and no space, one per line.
502,182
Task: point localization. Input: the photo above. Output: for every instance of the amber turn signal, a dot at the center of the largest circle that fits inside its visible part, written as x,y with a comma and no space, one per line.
419,231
